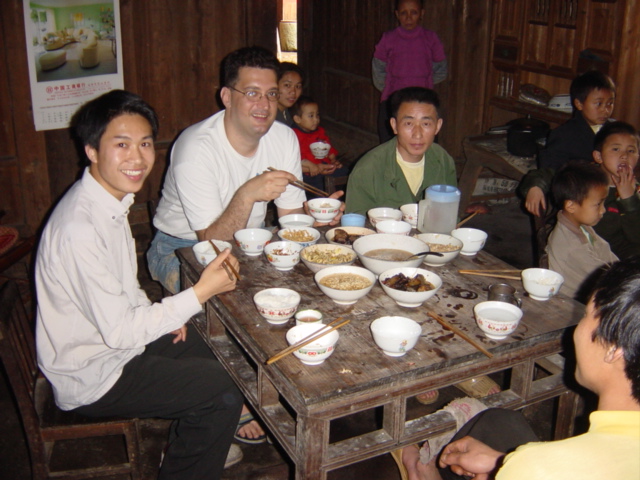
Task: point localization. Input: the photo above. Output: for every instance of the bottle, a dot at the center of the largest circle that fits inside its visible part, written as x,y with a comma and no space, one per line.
438,212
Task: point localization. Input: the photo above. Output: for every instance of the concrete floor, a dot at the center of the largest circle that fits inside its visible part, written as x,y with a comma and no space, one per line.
509,239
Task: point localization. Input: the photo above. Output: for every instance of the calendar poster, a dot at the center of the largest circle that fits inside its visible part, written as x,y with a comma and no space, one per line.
74,54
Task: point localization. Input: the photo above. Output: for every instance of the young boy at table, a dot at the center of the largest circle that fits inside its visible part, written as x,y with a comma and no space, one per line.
307,128
500,444
592,98
575,250
103,346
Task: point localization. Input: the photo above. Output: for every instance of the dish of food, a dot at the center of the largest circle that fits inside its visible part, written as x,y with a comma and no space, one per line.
390,254
409,284
442,248
297,235
325,256
345,281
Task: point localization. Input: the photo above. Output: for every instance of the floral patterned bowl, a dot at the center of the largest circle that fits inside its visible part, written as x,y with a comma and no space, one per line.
317,351
497,320
283,255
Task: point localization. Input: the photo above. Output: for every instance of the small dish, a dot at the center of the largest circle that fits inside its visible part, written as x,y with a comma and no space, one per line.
383,213
317,351
252,240
448,242
296,220
406,298
410,214
347,235
395,227
283,255
304,236
277,305
541,284
205,253
497,320
473,240
324,209
395,335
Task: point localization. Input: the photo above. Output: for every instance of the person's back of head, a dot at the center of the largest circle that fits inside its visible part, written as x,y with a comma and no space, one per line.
254,57
584,84
613,128
616,300
413,94
91,120
574,182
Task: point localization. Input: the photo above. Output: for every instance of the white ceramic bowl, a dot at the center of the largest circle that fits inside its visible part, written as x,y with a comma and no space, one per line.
394,227
541,284
277,305
385,241
410,214
296,220
320,149
383,213
283,255
345,297
324,209
330,234
473,240
440,239
395,335
310,233
317,351
497,320
324,253
205,253
308,316
252,240
407,298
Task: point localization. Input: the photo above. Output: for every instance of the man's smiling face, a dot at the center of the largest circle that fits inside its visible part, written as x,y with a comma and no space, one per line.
416,126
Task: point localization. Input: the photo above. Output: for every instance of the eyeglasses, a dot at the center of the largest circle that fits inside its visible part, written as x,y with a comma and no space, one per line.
255,96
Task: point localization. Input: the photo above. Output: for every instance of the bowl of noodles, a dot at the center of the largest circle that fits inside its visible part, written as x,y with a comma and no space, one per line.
318,257
439,242
345,284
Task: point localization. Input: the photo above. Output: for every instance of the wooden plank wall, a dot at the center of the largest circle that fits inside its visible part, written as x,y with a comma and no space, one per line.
171,54
337,44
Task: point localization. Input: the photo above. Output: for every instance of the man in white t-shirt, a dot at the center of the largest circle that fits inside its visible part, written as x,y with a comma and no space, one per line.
217,181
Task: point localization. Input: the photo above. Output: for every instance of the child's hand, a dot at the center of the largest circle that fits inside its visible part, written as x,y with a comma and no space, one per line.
327,168
625,181
335,161
310,168
535,203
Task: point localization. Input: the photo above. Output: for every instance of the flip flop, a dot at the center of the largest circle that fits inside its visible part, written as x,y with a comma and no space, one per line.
427,398
397,456
245,419
478,387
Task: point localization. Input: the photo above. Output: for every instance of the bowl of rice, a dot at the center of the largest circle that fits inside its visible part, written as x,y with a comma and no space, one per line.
317,257
304,236
345,284
277,305
439,242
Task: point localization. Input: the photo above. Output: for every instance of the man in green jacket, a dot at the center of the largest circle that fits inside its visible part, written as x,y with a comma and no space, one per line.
400,170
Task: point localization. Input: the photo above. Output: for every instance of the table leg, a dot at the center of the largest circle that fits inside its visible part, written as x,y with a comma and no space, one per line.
312,440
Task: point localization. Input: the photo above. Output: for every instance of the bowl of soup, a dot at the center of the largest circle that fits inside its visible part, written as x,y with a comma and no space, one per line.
382,251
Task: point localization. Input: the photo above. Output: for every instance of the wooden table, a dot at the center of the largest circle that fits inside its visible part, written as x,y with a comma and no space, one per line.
490,152
298,403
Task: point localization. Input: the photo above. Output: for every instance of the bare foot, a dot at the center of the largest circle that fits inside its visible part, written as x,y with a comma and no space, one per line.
251,429
417,470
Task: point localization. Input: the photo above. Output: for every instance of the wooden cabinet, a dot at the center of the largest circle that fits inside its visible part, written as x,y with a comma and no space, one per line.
547,43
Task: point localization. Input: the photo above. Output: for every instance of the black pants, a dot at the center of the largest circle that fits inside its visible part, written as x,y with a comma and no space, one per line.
385,132
186,383
501,429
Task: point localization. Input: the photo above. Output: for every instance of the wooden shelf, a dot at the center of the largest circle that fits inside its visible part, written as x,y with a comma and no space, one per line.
536,111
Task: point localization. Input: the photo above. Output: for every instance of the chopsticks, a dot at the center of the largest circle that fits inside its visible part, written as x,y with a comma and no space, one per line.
226,265
492,273
462,222
460,333
330,327
304,186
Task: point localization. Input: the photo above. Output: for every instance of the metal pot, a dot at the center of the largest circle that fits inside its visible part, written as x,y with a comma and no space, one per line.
523,135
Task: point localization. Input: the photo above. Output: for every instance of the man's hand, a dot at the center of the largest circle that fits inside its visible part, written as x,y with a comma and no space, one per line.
338,216
214,278
535,203
266,186
181,334
625,181
470,457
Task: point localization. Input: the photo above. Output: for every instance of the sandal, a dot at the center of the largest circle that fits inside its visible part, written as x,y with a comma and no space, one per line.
427,398
397,456
245,419
479,387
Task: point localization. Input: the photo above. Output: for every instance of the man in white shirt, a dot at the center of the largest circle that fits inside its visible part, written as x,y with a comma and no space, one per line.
217,181
105,348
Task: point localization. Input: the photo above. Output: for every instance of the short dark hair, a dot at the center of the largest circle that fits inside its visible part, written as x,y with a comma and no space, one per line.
613,128
584,84
296,108
286,67
255,57
574,181
91,120
413,94
616,299
398,2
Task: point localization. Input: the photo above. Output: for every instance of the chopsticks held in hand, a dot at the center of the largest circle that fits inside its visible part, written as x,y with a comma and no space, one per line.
493,273
304,186
232,272
308,339
460,333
